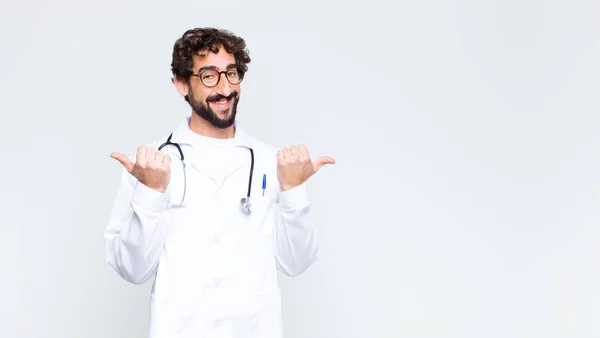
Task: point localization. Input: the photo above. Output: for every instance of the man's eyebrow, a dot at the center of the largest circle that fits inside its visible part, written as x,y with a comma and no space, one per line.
229,66
206,68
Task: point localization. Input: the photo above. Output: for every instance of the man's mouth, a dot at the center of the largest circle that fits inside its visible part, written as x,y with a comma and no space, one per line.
222,100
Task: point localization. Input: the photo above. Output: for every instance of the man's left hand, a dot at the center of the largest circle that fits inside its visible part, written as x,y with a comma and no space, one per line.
294,166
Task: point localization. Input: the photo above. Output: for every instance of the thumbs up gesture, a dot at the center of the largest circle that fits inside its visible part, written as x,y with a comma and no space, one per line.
152,168
295,167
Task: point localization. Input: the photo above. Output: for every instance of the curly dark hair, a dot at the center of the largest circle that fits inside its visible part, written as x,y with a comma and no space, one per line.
201,39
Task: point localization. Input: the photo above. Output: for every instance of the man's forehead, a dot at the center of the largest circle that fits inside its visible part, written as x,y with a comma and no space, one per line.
207,57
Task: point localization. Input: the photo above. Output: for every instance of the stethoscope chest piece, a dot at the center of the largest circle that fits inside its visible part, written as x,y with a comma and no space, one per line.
246,205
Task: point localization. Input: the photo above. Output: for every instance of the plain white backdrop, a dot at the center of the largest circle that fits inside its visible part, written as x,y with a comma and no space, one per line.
465,200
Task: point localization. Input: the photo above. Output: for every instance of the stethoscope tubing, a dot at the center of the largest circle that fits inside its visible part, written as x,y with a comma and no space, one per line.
245,202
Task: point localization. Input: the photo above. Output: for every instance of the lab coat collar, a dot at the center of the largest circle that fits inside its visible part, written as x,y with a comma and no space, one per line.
184,135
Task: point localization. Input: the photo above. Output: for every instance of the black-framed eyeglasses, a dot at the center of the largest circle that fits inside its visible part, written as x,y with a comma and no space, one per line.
211,77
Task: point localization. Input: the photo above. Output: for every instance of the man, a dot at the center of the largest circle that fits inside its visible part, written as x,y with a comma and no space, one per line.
214,256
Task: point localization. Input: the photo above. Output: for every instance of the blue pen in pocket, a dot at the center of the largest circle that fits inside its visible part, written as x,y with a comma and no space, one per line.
264,185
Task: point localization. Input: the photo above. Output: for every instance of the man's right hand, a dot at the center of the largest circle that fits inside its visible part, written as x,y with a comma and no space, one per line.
152,168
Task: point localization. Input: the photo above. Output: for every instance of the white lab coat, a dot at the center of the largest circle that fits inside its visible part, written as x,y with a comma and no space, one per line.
215,267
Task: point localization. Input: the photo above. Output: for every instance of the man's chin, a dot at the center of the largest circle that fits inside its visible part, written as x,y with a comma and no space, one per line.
224,114
223,123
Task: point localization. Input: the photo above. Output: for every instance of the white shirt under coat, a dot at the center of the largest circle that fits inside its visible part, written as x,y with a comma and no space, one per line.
215,267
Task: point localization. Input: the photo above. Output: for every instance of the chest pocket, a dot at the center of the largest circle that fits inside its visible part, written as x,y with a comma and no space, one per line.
264,202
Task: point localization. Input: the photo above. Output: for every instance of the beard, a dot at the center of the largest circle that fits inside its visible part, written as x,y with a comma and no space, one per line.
204,111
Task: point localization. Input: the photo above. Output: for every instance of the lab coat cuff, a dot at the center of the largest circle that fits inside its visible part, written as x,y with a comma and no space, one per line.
295,198
149,198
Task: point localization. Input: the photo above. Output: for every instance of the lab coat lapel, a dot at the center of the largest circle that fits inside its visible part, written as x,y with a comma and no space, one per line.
230,163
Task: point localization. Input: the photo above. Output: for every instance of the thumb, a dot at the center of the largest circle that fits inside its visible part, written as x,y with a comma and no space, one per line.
321,161
124,161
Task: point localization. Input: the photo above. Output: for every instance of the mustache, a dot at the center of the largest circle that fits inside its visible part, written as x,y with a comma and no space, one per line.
218,97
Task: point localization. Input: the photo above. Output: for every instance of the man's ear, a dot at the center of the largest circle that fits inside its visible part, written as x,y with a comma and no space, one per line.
181,85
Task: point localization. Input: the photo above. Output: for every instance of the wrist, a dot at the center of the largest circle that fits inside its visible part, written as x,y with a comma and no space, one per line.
161,189
289,185
157,187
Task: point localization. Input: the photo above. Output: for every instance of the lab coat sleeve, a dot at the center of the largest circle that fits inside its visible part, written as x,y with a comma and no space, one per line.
137,230
297,245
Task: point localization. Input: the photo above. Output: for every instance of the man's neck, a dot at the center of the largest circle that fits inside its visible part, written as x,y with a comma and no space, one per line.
202,127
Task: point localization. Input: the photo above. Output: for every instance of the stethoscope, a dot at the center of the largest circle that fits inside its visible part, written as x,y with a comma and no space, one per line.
244,202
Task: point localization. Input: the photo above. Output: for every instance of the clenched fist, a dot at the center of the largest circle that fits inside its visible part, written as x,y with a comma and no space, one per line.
294,166
152,168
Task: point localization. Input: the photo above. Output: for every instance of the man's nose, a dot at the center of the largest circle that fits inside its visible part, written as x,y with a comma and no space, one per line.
223,87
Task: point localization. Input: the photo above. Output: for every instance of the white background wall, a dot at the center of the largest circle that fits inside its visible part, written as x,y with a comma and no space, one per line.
465,201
